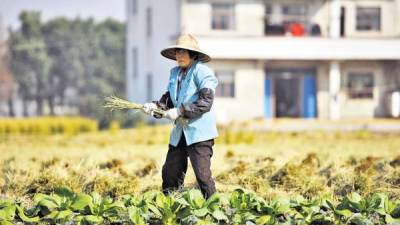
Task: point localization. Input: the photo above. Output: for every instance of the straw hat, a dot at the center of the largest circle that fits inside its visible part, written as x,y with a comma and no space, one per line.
188,42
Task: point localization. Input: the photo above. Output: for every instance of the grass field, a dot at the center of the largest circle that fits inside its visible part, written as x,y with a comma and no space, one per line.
267,163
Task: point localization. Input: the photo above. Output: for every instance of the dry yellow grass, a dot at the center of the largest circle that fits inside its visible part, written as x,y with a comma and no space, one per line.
130,161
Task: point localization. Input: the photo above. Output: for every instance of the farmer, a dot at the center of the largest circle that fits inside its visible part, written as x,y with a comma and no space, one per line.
190,95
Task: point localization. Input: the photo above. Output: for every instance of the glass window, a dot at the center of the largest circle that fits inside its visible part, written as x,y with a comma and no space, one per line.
223,16
134,6
268,10
149,21
368,18
226,84
135,62
149,87
360,86
267,14
295,14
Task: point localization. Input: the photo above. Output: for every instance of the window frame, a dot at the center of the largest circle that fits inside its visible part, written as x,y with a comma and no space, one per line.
367,92
135,62
225,89
149,86
149,21
134,7
367,18
223,18
301,16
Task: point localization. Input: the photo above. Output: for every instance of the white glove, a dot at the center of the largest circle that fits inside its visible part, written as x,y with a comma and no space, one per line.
172,114
148,108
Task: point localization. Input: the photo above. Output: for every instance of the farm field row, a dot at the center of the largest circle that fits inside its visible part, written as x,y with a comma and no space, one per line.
267,163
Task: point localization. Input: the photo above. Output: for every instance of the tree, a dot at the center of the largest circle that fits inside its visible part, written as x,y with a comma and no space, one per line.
29,61
64,54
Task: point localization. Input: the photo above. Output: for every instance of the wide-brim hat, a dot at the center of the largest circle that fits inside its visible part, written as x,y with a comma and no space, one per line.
187,42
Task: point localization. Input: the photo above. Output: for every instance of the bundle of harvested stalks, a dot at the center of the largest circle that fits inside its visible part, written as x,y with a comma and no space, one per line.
113,102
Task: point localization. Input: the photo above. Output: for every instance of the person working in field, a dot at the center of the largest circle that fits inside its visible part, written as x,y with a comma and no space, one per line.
190,95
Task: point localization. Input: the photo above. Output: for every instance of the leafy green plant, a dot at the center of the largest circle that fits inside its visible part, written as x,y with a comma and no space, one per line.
57,207
244,208
98,209
307,211
275,211
189,208
338,214
198,210
166,208
27,215
138,208
7,211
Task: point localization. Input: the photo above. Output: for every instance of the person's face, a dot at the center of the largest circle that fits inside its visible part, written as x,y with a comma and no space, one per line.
183,58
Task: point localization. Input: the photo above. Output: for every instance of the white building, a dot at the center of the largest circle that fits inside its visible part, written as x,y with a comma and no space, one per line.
274,58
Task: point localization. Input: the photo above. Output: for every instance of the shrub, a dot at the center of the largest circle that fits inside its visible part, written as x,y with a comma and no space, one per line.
47,125
114,127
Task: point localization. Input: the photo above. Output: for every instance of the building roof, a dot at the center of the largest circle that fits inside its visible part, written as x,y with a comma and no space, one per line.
300,48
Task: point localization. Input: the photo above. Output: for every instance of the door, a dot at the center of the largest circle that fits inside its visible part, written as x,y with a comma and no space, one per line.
342,21
290,92
267,98
309,97
287,98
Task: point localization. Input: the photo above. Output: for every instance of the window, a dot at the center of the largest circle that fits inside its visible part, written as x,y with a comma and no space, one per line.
135,62
226,84
268,10
149,87
368,18
360,86
223,16
134,6
294,14
267,14
149,21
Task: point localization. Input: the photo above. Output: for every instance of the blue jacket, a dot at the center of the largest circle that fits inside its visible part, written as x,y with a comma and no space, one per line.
203,127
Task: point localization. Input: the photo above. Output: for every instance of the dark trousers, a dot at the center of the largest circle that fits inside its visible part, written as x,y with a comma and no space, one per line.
175,166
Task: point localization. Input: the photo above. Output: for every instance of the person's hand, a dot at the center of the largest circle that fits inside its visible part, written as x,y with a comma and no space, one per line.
148,108
172,114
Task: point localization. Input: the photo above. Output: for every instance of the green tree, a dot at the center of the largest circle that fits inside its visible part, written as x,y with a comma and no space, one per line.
62,54
29,60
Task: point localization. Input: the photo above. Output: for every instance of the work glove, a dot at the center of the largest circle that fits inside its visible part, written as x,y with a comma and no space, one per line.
148,108
172,114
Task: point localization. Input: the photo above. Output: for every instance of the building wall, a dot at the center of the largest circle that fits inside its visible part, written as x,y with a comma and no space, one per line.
170,18
389,25
318,11
249,18
165,29
248,102
391,83
322,89
397,18
320,15
362,108
321,78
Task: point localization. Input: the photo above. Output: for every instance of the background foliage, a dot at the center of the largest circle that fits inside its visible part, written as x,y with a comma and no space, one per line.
70,63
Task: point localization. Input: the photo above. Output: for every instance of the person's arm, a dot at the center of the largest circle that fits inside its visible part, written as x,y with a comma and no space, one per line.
201,105
164,103
207,83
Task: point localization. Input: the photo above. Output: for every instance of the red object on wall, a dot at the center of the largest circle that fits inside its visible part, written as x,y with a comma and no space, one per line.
297,29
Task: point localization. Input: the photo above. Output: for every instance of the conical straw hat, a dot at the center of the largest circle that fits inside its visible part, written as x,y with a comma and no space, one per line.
188,42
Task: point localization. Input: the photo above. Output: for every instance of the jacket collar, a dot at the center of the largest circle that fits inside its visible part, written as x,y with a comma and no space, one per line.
184,84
